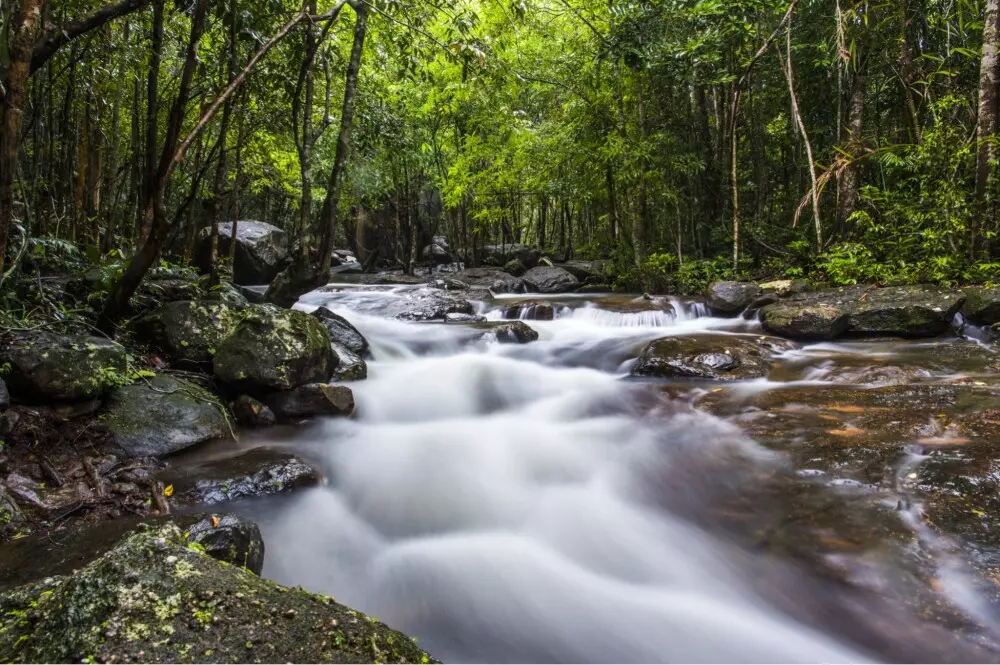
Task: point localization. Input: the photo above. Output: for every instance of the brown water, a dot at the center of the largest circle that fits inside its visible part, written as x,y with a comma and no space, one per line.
531,503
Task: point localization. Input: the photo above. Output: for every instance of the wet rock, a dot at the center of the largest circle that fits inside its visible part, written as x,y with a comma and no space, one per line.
464,318
250,412
438,252
46,366
275,349
228,538
4,395
644,303
8,421
259,472
430,305
728,298
529,310
805,322
190,332
515,267
11,518
168,290
261,250
904,311
877,375
229,294
498,281
152,598
511,332
499,255
342,333
545,279
719,357
449,284
348,343
163,415
585,270
982,306
314,399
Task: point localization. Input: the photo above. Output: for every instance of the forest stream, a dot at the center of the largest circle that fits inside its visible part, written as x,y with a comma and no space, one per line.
533,503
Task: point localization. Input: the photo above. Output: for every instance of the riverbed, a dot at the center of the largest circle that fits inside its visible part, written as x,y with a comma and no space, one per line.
534,503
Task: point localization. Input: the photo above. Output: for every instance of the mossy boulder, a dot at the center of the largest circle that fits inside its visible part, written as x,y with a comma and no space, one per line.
515,267
189,332
275,349
258,472
982,306
716,357
730,298
46,366
155,598
313,399
163,415
806,322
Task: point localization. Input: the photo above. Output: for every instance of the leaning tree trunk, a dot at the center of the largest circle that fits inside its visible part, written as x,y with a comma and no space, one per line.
301,276
21,29
987,128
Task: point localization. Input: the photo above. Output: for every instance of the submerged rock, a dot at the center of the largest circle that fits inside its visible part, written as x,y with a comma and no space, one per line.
275,349
807,322
313,399
154,598
728,298
719,357
258,472
546,279
189,332
46,366
261,250
163,415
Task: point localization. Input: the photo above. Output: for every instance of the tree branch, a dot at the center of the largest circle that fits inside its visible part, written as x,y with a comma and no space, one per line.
55,38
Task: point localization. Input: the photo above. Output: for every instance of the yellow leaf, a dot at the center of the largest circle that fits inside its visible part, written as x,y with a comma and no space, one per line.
168,490
215,521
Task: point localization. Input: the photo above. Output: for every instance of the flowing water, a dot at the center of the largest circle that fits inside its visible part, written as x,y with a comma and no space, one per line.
530,503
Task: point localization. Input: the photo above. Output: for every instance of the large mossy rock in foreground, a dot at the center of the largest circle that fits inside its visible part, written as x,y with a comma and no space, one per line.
163,415
46,366
275,349
717,357
154,598
189,332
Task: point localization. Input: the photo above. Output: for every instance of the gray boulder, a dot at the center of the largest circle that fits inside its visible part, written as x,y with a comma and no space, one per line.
499,255
717,357
537,310
585,270
545,279
46,366
261,250
163,415
729,298
464,318
515,267
904,311
816,321
348,343
510,332
275,349
314,399
154,598
438,252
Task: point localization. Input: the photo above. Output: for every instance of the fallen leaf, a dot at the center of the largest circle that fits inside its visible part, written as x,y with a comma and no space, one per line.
846,431
168,490
215,521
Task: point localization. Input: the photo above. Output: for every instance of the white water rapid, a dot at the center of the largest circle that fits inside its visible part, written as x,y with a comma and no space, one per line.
507,502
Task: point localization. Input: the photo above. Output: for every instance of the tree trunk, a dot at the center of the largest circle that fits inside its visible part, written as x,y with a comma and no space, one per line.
987,127
152,115
850,178
641,225
22,28
301,277
220,171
